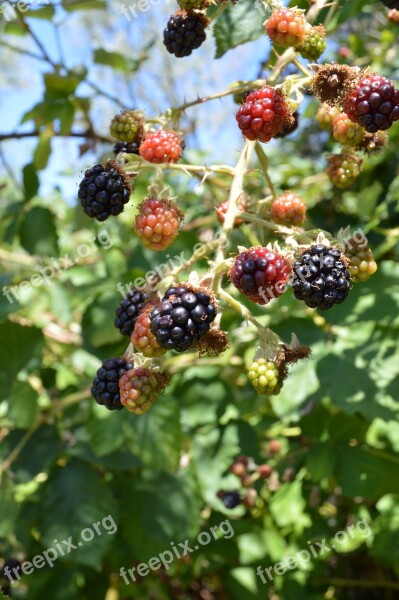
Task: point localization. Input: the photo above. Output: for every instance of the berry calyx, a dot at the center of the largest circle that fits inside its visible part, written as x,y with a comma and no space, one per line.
362,264
289,126
325,116
373,103
230,499
314,43
161,147
184,32
104,191
346,132
263,114
373,142
221,211
286,27
288,209
260,274
127,126
140,388
157,223
105,387
343,169
265,377
183,317
321,278
143,339
129,309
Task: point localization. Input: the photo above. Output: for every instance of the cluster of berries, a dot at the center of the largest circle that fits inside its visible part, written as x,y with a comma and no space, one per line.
249,473
179,321
357,113
287,27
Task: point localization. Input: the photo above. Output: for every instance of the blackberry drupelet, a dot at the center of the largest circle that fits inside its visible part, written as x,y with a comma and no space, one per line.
104,191
129,309
105,388
182,318
321,278
184,32
128,147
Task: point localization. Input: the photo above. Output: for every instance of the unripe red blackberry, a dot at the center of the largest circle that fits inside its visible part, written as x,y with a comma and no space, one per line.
263,114
265,471
250,499
260,274
343,169
127,126
183,317
129,309
362,264
393,15
325,116
105,388
288,209
142,338
264,376
104,191
286,27
161,147
373,103
221,211
314,43
157,223
321,278
274,447
140,388
346,132
184,32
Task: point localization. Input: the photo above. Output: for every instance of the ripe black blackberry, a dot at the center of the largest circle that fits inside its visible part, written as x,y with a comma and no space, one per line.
105,388
184,32
129,309
128,147
182,318
104,191
321,278
229,499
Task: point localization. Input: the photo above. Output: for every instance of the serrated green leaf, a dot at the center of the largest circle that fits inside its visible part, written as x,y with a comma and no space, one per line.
237,25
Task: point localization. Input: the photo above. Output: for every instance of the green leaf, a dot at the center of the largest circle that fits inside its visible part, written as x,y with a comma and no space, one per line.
156,436
158,510
60,86
320,461
39,220
116,60
98,328
74,499
105,430
288,505
30,181
8,507
66,116
23,406
237,25
72,5
20,346
44,12
43,149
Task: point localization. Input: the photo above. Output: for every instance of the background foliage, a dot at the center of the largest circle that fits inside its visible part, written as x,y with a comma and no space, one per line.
66,462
